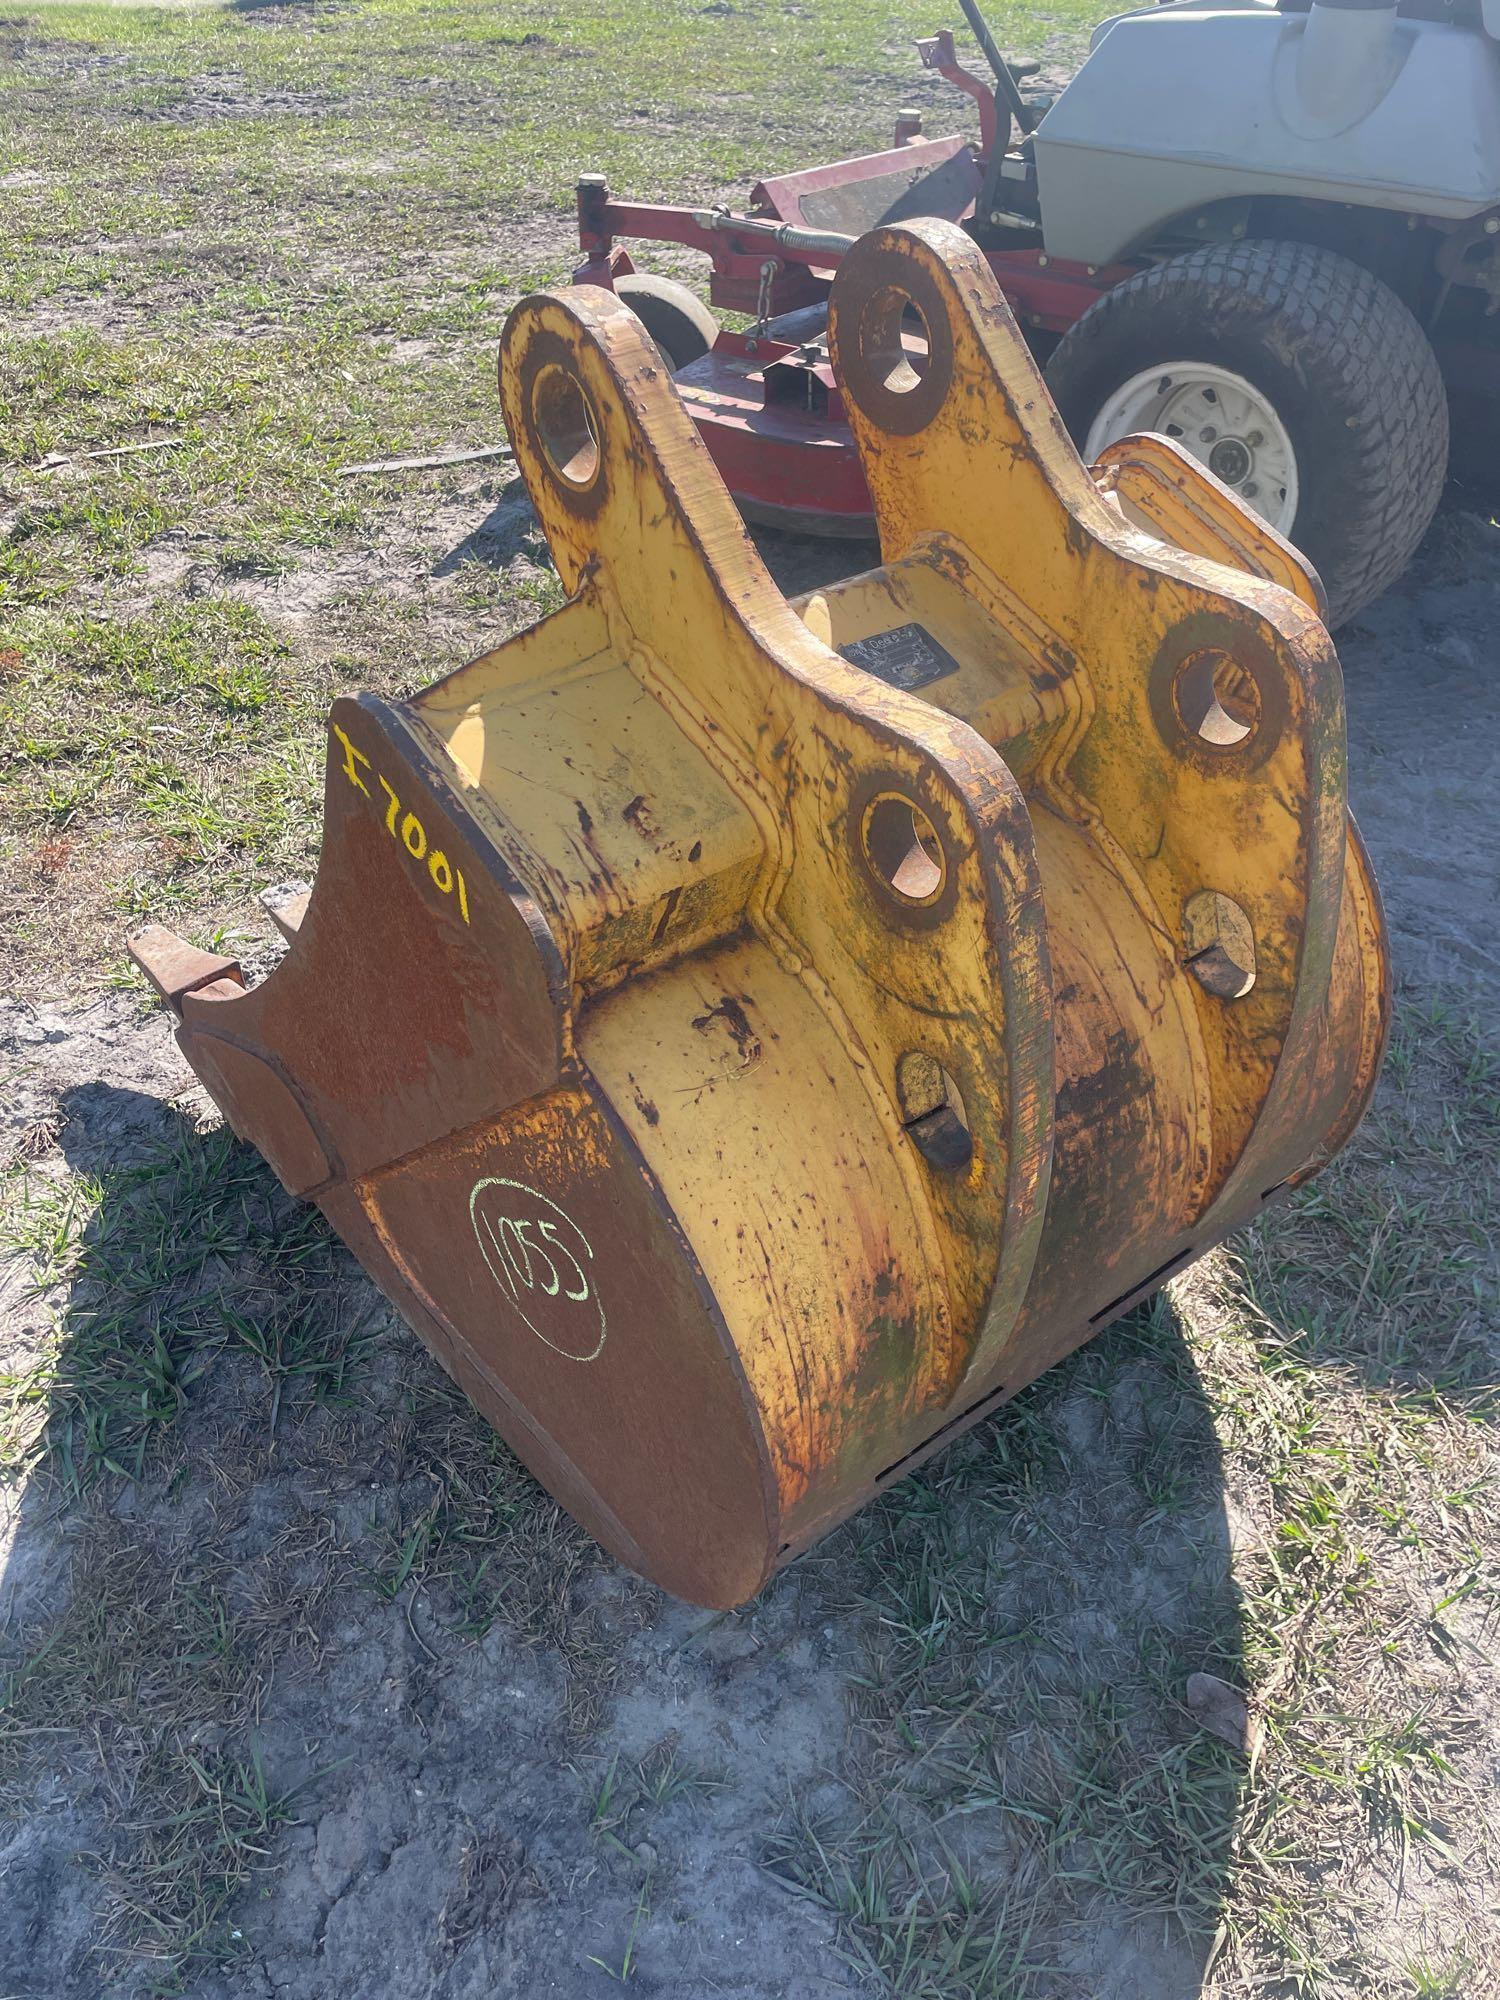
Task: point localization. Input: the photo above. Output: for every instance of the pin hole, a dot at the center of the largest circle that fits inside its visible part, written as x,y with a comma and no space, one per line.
902,848
566,425
896,340
932,1111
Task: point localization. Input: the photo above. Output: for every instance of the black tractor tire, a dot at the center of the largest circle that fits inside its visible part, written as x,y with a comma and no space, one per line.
677,320
1337,355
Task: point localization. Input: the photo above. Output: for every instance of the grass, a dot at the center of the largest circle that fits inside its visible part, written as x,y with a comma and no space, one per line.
166,1670
624,1799
626,1969
284,239
164,1266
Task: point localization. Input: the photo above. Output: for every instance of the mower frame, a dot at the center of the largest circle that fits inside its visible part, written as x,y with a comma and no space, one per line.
765,400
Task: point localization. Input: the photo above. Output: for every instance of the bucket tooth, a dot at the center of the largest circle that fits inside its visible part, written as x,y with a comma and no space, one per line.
749,1041
175,968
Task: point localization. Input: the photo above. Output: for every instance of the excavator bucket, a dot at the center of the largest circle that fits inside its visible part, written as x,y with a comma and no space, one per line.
749,1041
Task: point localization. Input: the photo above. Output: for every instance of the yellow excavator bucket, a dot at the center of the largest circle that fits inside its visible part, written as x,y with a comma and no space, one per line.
751,1040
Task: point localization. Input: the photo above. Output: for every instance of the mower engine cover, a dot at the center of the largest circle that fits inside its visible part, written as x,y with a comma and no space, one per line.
1180,107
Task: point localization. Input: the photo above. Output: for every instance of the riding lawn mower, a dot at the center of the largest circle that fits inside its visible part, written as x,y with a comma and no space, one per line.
1270,232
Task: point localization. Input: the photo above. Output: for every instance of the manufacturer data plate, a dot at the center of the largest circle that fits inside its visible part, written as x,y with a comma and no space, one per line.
907,657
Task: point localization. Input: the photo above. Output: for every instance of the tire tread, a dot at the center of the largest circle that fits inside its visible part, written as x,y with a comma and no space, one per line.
1348,333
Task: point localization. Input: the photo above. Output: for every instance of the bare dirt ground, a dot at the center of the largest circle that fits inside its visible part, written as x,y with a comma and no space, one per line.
305,1688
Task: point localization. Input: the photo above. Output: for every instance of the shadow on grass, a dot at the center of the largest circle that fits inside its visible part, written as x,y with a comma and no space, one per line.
1025,1804
140,1622
232,1446
1383,1270
796,562
1028,1804
509,529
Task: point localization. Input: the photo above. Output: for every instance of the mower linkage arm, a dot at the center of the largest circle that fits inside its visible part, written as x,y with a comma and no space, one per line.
785,235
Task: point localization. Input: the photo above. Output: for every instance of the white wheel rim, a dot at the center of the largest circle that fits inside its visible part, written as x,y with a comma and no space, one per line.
1221,419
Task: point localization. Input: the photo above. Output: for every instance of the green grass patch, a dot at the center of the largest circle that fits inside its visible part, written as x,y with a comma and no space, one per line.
281,241
159,1269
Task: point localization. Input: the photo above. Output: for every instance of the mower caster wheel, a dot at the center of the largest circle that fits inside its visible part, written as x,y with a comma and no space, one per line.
677,320
1296,376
